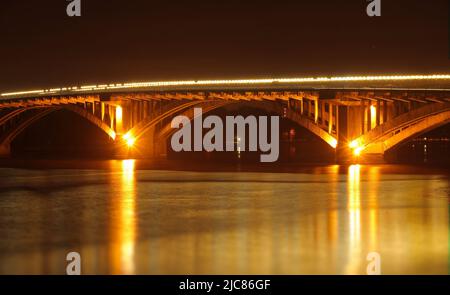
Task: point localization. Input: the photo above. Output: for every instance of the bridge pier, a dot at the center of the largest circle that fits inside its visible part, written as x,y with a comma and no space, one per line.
345,155
371,159
154,148
147,146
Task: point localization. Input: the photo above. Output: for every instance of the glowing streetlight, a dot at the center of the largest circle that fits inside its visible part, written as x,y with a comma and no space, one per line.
353,144
356,147
130,140
357,151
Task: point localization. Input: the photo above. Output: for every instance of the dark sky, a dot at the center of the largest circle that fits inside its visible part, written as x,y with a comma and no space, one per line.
120,41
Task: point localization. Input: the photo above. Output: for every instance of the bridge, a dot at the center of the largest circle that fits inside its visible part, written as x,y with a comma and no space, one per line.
360,117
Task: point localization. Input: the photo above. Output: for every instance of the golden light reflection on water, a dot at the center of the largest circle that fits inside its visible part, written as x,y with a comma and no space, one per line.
324,221
373,182
124,222
354,215
333,206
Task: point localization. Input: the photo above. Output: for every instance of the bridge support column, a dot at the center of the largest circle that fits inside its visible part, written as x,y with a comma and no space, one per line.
330,118
363,116
301,106
322,113
119,115
344,155
316,110
371,159
336,121
160,149
112,117
102,105
385,112
378,120
149,147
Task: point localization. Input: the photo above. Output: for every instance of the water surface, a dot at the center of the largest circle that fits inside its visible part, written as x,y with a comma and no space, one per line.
125,218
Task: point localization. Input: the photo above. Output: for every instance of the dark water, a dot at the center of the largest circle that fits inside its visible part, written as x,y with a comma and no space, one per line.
124,218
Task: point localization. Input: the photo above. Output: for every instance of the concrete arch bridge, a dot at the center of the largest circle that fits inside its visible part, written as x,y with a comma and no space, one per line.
360,117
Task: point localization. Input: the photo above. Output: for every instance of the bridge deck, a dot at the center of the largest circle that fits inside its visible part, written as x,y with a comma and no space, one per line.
418,83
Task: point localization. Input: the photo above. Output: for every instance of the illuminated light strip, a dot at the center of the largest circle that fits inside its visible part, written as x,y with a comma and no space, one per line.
23,92
232,82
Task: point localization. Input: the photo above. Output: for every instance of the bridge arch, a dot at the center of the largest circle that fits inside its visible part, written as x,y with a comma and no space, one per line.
276,108
6,140
403,128
167,130
93,119
149,124
419,127
301,120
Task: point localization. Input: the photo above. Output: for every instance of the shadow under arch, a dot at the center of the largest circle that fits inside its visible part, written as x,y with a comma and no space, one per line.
10,136
7,139
269,107
421,127
149,124
167,131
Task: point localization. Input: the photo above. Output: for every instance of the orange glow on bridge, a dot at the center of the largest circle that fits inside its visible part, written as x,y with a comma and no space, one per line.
356,147
373,116
333,142
119,113
187,83
119,119
357,151
130,140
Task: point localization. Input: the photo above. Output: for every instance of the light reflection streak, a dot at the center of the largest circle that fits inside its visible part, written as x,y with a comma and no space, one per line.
333,205
276,224
124,236
354,214
373,181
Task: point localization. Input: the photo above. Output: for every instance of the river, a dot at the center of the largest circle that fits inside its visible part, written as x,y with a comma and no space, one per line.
134,217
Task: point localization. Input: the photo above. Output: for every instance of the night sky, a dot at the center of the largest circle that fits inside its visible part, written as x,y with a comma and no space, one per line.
123,41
